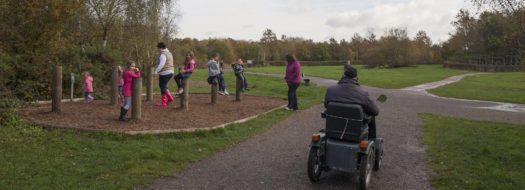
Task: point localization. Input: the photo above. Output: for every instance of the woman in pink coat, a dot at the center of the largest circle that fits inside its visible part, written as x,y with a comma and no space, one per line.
128,75
293,79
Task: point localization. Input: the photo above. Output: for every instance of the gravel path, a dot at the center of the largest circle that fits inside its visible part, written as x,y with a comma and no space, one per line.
277,158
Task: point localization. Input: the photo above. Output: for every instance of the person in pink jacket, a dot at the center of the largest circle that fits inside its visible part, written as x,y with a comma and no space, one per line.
88,87
186,71
128,75
293,79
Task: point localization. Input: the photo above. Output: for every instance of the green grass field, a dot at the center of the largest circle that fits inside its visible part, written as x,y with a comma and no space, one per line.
381,78
500,87
34,158
468,154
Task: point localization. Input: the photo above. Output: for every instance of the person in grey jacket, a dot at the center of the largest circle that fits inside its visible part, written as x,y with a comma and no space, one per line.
213,69
349,91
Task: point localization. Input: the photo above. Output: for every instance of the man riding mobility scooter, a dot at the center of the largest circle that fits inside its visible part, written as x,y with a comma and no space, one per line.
344,144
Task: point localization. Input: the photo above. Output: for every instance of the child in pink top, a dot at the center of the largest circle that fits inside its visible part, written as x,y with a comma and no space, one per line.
88,87
127,76
186,71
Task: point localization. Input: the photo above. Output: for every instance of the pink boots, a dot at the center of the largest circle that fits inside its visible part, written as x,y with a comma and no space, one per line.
169,97
165,99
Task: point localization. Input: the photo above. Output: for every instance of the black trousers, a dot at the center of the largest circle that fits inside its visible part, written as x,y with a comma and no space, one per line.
163,83
241,77
292,96
180,77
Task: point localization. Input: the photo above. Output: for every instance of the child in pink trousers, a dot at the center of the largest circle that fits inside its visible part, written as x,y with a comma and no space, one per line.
128,75
88,87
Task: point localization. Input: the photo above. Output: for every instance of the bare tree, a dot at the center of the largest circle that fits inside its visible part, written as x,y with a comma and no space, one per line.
106,13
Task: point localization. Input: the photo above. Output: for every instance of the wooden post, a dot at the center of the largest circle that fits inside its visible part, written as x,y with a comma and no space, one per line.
114,85
136,99
56,92
238,89
184,99
214,92
72,90
149,84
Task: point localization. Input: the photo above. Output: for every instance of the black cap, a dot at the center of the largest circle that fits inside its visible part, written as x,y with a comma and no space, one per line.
350,71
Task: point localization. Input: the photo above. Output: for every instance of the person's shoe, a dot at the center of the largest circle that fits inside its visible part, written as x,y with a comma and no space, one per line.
287,108
122,116
180,91
163,101
221,93
169,98
226,92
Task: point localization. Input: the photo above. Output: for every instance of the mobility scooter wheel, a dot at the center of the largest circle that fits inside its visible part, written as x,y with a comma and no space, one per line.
365,170
314,164
379,155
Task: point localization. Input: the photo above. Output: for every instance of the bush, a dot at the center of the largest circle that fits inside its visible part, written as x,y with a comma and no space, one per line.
8,108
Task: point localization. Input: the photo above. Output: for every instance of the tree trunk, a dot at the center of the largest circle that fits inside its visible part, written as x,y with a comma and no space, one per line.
149,84
56,102
72,90
136,100
114,85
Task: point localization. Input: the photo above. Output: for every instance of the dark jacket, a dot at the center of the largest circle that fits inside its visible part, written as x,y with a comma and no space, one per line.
237,68
349,91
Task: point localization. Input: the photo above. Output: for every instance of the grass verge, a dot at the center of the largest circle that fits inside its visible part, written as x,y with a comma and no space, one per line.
381,78
34,158
500,87
467,154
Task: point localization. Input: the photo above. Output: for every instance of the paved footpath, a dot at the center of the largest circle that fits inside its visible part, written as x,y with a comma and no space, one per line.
277,158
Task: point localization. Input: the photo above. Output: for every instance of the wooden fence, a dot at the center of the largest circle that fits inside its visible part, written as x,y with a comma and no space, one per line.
487,64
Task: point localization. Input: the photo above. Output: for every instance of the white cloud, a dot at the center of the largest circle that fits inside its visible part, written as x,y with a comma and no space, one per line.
315,19
429,15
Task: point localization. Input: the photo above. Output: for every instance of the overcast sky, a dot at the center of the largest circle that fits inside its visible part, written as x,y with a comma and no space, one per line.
315,19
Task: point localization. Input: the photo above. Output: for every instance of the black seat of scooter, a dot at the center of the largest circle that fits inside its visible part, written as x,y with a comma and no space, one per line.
345,122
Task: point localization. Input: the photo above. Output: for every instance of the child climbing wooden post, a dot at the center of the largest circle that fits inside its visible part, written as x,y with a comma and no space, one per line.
114,85
183,77
213,74
56,91
136,105
132,92
241,81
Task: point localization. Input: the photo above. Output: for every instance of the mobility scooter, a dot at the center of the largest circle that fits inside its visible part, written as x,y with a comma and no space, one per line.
344,144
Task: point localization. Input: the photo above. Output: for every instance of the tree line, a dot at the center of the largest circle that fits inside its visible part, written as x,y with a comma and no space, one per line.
393,49
498,30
